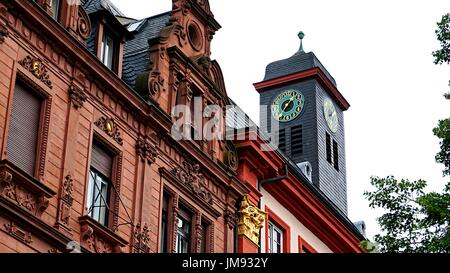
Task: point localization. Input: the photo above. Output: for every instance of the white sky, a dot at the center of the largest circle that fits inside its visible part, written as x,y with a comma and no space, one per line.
379,52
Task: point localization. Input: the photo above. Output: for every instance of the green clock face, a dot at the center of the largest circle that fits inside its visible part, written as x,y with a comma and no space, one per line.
288,106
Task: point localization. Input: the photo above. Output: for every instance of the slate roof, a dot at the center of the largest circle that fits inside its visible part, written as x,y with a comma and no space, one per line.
92,6
300,61
136,52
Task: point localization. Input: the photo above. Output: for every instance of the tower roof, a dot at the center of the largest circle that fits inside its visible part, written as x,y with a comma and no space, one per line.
298,62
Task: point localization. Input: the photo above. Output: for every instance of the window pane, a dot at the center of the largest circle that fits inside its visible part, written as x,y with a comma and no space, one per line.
107,51
183,235
55,8
98,197
275,239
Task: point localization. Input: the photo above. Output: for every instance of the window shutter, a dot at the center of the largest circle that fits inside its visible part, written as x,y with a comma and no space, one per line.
24,129
282,140
297,140
336,155
101,160
328,148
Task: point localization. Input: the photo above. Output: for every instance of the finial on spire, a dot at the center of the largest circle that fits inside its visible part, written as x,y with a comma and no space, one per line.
301,35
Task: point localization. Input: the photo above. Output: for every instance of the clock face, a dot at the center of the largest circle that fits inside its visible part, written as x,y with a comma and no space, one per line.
329,110
288,106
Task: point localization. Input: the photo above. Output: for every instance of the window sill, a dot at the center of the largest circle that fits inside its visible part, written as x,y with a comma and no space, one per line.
98,238
23,190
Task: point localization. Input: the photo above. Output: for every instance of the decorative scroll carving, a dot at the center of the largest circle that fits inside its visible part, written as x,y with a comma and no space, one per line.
39,70
156,83
99,239
230,156
191,177
251,220
109,126
150,83
84,27
33,201
77,97
3,33
146,149
181,34
18,233
141,239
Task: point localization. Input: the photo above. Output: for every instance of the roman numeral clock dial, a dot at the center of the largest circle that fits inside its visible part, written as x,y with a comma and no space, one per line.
288,106
329,110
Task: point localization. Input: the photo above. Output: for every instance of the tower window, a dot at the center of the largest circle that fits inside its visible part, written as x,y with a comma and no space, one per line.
332,150
297,140
282,140
335,155
328,148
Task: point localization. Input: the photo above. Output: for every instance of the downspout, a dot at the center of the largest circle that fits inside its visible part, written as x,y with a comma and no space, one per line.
268,181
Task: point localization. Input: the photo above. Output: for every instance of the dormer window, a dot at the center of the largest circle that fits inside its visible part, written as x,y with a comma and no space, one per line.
107,54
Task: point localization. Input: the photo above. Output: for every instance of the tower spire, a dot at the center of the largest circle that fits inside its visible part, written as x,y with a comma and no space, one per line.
301,35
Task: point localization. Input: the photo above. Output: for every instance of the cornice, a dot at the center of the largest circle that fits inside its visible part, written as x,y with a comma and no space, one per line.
313,73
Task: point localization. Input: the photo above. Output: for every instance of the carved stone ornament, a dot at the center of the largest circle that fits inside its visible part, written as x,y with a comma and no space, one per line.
77,97
67,189
98,238
191,177
231,218
22,193
146,150
65,203
109,126
39,70
141,239
18,233
181,34
251,220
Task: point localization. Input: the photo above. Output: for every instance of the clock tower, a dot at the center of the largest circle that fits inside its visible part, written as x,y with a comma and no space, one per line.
301,97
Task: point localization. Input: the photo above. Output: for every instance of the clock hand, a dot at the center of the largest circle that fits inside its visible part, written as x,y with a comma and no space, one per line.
286,106
289,103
